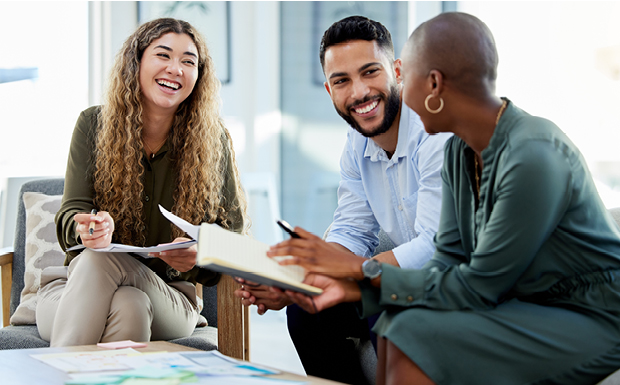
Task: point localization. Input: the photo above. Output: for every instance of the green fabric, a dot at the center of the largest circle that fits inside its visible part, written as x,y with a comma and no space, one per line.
541,241
158,189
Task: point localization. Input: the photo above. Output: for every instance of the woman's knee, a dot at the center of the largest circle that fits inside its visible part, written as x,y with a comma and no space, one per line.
131,303
91,262
88,260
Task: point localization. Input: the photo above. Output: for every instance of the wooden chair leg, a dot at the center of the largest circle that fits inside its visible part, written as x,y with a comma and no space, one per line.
6,274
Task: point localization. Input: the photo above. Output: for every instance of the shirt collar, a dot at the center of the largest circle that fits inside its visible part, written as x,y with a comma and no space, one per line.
376,153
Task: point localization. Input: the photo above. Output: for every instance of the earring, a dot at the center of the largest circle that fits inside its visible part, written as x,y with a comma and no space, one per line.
428,108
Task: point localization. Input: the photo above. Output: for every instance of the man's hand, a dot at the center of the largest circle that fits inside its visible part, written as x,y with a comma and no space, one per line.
318,256
104,227
335,291
264,297
179,259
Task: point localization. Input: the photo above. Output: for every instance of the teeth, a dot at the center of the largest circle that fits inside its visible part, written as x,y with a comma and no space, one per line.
367,108
168,84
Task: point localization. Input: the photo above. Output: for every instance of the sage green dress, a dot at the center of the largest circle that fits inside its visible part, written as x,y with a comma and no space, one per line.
523,290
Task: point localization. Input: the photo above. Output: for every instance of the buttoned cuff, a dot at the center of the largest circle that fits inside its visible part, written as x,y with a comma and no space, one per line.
401,287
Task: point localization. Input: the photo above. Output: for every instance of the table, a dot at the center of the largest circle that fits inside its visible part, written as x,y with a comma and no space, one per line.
18,368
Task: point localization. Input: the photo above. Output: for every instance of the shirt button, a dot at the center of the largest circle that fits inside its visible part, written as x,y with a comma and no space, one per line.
400,207
394,297
146,198
410,299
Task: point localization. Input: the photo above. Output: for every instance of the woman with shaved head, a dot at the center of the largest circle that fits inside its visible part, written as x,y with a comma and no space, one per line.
524,286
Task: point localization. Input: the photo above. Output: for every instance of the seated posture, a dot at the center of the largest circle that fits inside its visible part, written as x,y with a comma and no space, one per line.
524,285
157,140
390,179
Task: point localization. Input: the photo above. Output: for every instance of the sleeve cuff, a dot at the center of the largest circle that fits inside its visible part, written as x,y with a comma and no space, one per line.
357,249
399,287
414,254
369,303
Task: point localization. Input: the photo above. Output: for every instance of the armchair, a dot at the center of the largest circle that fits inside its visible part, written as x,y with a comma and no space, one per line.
228,320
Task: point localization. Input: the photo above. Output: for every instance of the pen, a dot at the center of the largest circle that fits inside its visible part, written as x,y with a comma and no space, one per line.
91,226
286,227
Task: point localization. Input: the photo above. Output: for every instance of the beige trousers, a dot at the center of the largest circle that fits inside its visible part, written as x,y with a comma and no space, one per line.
112,297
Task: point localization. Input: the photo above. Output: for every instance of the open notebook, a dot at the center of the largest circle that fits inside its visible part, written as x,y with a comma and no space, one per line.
241,256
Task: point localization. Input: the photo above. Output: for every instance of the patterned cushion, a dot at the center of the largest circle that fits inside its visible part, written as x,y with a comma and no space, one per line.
42,250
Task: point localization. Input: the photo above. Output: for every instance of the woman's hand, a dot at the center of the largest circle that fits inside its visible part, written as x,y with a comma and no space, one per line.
179,259
335,291
264,297
102,235
316,255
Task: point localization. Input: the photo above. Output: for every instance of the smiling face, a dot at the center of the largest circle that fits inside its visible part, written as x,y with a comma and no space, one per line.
168,72
362,83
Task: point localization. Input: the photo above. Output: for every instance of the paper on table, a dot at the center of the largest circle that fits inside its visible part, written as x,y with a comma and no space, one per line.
121,344
91,361
214,363
190,229
154,364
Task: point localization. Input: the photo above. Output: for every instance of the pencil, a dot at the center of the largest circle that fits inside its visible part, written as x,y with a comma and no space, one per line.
91,226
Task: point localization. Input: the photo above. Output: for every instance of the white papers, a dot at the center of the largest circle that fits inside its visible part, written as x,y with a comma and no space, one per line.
95,361
116,366
190,229
142,251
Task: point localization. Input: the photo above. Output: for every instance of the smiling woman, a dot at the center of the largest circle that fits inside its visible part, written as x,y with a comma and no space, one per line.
158,139
167,73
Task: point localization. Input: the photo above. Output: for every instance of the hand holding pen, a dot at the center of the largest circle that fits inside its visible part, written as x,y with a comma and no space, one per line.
95,228
315,255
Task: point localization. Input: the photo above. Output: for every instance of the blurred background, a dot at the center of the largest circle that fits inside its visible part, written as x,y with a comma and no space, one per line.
560,60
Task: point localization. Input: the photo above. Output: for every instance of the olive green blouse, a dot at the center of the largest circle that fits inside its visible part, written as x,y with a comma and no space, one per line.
159,184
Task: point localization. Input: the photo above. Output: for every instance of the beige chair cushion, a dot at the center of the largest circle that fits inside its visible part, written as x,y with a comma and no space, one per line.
42,250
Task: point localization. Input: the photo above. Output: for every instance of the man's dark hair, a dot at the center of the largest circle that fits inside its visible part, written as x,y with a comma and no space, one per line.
357,28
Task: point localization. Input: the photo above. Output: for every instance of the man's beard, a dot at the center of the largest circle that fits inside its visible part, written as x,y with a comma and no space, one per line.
392,106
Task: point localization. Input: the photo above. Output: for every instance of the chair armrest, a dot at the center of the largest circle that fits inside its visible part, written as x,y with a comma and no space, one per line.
233,321
6,274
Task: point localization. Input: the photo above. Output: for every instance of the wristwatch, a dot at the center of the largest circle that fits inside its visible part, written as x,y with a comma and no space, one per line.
371,268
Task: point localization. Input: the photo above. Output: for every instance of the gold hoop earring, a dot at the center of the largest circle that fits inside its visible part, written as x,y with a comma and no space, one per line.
438,110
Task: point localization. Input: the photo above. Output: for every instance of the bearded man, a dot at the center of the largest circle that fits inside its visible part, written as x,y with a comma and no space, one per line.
390,180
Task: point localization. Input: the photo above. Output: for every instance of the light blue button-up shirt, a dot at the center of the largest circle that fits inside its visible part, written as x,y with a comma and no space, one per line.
401,195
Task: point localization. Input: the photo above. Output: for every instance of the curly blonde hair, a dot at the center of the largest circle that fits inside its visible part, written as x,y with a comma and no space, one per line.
199,144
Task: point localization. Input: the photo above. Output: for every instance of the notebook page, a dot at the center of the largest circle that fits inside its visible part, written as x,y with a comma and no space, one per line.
247,253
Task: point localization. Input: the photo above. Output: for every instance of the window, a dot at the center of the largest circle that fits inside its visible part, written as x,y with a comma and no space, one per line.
561,61
43,84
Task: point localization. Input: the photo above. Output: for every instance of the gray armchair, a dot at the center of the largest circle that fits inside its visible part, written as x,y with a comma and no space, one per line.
228,320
